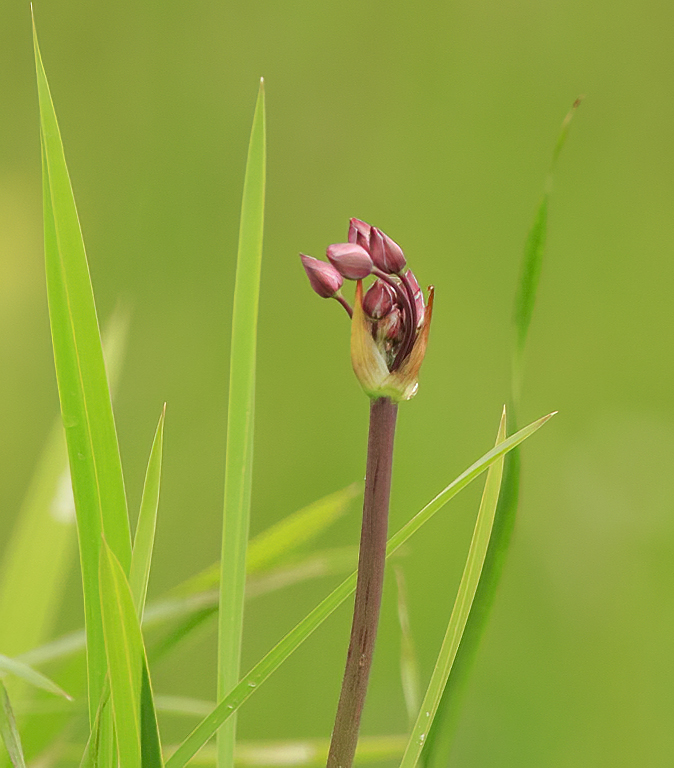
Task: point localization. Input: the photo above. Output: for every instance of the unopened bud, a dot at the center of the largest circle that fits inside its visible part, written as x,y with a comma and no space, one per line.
378,300
359,232
350,259
387,255
324,278
394,255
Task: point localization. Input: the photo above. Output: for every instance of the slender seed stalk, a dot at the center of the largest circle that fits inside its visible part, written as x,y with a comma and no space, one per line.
372,558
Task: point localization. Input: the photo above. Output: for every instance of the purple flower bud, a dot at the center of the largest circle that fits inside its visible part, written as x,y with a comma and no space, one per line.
359,232
377,250
378,301
324,278
351,260
394,255
387,255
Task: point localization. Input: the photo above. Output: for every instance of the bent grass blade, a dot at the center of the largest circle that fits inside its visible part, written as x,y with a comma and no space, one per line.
461,610
327,562
276,543
31,676
308,753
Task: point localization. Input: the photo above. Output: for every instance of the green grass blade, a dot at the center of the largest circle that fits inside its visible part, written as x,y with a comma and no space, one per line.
325,562
409,666
274,545
143,542
328,562
31,676
39,552
528,286
532,262
91,756
462,606
267,665
98,486
277,543
298,529
190,607
9,731
439,742
240,424
308,753
183,706
125,657
135,719
38,555
438,745
151,751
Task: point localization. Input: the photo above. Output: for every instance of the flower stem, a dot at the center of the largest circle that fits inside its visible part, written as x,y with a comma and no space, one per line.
372,558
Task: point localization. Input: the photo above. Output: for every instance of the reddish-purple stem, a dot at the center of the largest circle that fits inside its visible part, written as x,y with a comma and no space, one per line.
372,558
344,303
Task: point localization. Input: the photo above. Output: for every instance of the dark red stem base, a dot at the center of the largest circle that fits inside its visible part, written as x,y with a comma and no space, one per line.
371,563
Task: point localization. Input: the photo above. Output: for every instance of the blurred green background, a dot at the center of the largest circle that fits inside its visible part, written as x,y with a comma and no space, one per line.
436,122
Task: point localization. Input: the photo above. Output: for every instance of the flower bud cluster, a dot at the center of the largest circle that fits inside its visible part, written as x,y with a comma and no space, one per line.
390,321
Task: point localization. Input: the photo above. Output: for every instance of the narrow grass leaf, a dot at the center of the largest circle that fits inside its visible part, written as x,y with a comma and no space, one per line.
194,609
9,731
438,745
42,548
38,555
240,423
528,284
151,751
532,261
277,543
323,563
183,706
439,742
91,756
135,721
269,663
307,752
409,665
125,657
143,542
29,675
462,606
326,562
98,486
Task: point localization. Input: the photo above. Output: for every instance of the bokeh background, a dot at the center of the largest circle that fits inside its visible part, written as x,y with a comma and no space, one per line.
435,121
